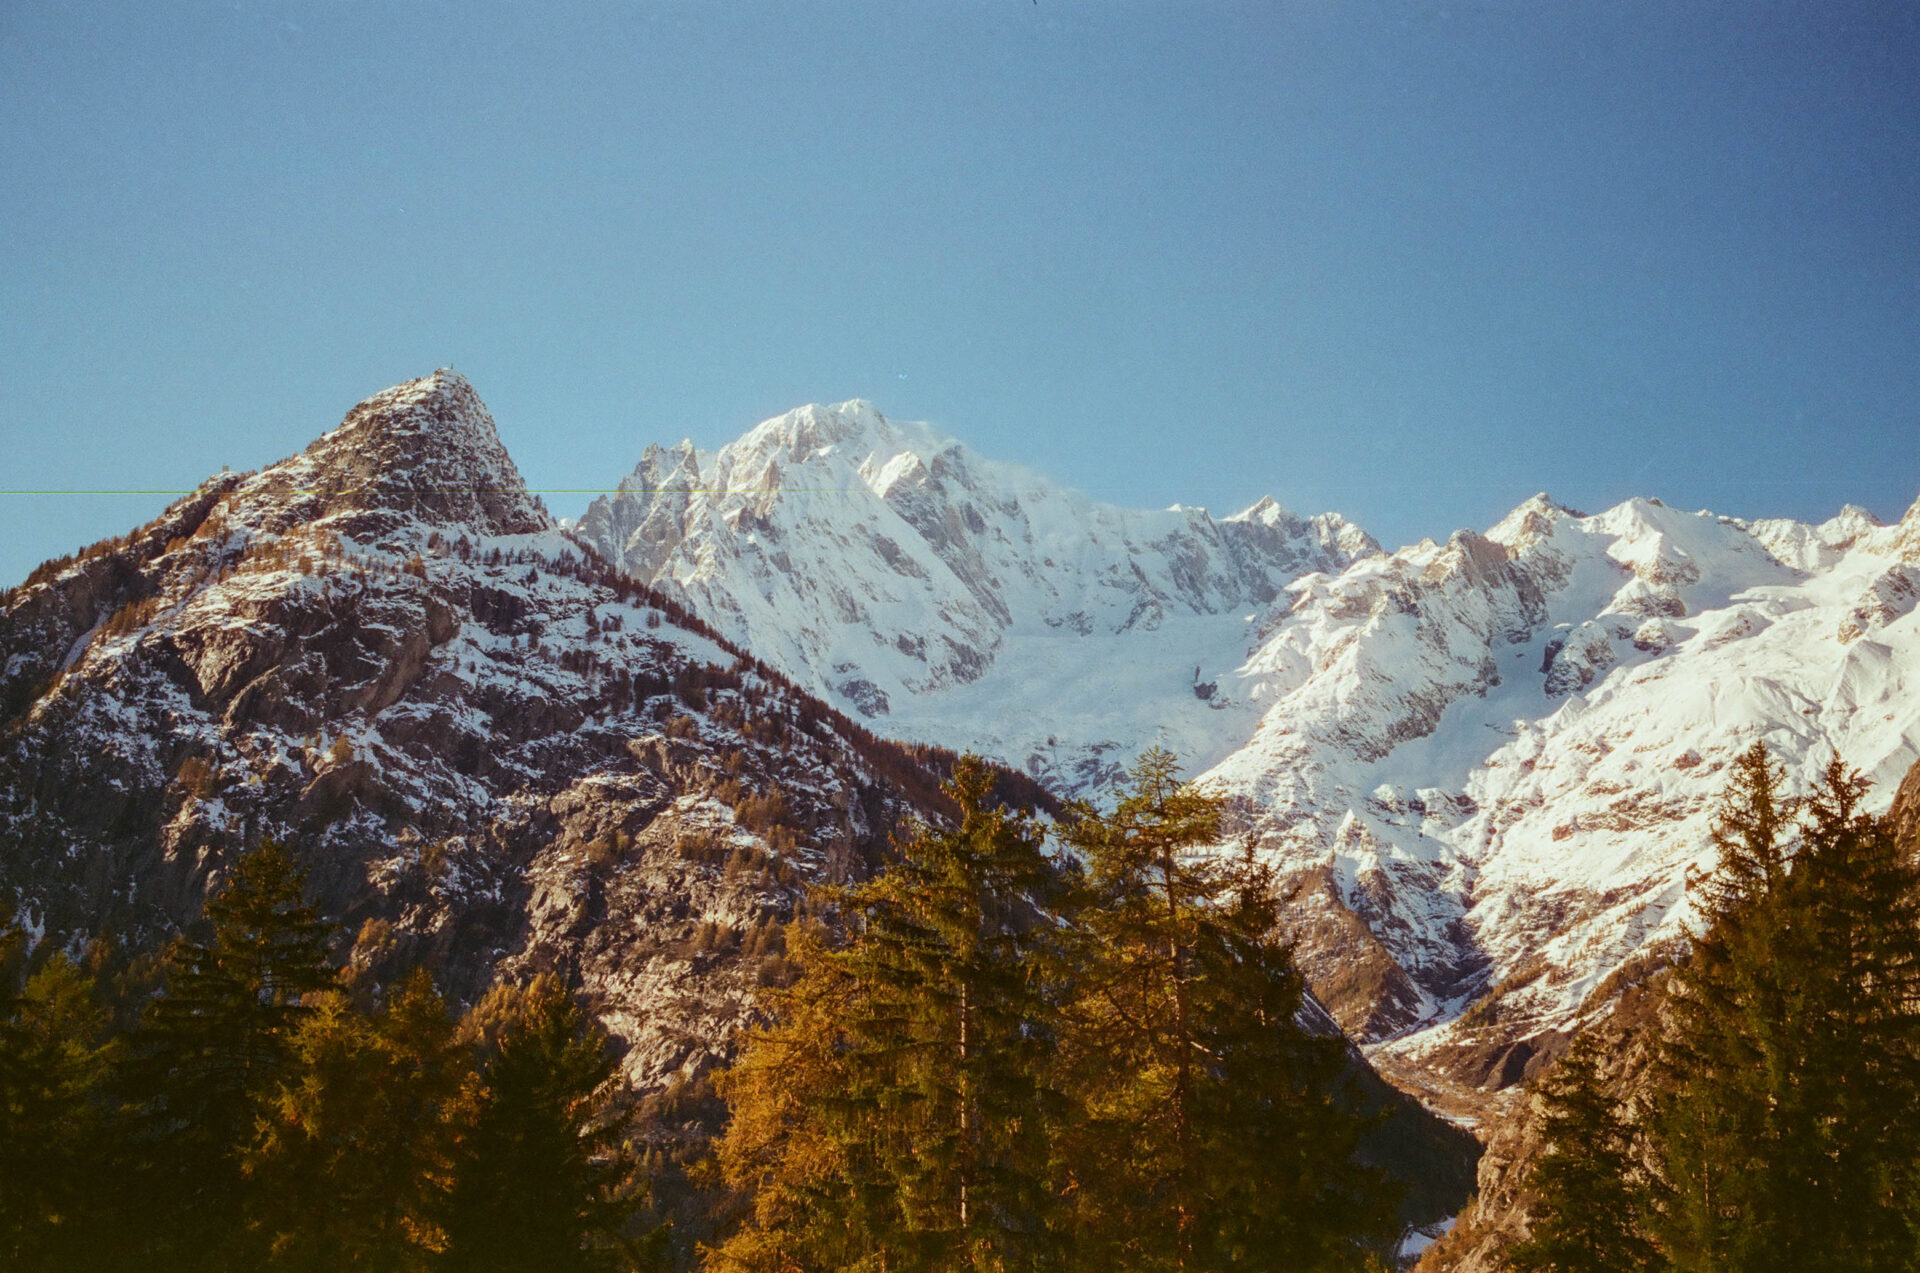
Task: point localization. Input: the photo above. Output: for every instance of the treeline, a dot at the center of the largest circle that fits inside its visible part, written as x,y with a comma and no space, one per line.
1000,1062
244,1105
987,1057
1779,1128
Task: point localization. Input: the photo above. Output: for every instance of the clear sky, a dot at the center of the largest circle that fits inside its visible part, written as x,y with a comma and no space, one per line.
1409,261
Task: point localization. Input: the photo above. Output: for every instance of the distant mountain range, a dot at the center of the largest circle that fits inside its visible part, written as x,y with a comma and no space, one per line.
944,596
1485,766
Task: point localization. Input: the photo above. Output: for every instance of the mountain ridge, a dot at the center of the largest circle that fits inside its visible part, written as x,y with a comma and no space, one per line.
495,754
892,570
1482,767
1403,732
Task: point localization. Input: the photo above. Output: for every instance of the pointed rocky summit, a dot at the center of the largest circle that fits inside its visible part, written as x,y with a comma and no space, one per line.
424,451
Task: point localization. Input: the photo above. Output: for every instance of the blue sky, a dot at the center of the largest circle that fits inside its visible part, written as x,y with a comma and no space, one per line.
1409,261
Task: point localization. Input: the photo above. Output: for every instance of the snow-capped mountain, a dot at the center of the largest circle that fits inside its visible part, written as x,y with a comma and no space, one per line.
1483,765
1501,755
951,598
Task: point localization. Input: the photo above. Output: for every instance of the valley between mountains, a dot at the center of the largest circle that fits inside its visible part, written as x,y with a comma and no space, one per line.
621,749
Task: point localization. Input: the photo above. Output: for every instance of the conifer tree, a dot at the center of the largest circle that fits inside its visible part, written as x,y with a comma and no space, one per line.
1725,1055
364,1120
1847,1165
1208,1132
539,1170
793,1143
1786,1135
56,1133
895,1115
214,1045
1591,1188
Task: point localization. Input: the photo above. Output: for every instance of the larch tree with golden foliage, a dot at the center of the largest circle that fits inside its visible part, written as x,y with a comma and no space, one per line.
1208,1131
895,1115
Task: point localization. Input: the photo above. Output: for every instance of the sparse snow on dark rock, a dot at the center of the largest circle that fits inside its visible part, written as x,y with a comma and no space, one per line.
495,753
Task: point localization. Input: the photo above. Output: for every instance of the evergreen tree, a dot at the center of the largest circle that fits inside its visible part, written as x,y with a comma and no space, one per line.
1725,1057
795,1144
895,1116
1591,1189
1848,1170
541,1165
364,1120
1208,1132
1786,1136
56,1133
214,1045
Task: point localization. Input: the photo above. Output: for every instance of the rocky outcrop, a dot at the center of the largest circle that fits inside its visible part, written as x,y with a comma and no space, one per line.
1499,1217
492,750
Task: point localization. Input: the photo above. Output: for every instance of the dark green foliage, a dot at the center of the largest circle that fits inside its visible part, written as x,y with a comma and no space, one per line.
261,1116
1784,1130
1787,1137
215,1043
223,1029
1593,1192
538,1171
55,1137
366,1119
1724,1057
1843,1053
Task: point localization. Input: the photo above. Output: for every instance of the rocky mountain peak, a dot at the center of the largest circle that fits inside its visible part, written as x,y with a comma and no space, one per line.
425,450
1532,520
1266,510
509,754
1907,537
806,431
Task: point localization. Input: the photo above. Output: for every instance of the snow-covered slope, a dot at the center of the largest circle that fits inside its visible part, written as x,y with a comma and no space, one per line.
1484,765
1491,763
956,599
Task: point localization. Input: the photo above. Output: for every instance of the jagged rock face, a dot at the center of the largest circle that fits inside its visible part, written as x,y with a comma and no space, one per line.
472,731
956,599
423,453
1500,755
1500,1215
